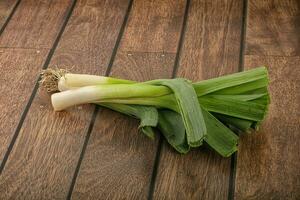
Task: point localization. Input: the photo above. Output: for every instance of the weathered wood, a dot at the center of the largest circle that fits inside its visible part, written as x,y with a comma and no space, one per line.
211,48
160,32
268,161
44,157
273,27
19,66
118,161
35,24
6,7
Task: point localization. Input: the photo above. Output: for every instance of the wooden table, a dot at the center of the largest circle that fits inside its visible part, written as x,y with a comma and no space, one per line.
88,152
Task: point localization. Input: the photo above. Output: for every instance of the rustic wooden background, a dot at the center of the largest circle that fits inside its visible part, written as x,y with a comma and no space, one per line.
92,153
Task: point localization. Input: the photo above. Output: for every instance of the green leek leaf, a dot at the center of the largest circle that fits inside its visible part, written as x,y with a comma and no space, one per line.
189,108
219,137
244,88
233,83
171,126
240,97
236,108
241,124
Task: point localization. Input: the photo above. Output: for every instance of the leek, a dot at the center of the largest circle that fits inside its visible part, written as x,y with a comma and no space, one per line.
186,113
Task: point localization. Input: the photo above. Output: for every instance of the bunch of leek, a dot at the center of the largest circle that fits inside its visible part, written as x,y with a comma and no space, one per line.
187,114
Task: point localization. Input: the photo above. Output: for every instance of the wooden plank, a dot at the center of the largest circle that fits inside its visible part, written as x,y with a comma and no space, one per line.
44,157
118,161
6,7
273,28
19,66
211,48
269,160
30,28
159,36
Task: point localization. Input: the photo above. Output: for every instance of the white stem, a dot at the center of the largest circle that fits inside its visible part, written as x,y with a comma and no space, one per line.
68,98
89,94
80,80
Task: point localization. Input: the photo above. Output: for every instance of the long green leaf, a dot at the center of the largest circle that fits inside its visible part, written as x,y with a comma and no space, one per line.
261,90
232,81
236,108
219,137
264,100
189,108
171,126
222,104
240,97
244,88
241,124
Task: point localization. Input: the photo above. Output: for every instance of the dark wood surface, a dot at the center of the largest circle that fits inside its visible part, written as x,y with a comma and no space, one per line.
268,164
21,60
273,28
35,24
93,153
6,8
53,147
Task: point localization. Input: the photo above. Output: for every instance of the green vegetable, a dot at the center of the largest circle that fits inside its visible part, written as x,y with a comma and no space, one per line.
219,137
171,126
186,113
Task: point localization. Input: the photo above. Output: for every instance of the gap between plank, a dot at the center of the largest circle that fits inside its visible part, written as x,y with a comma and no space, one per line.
243,35
97,108
91,125
175,69
36,86
231,189
9,17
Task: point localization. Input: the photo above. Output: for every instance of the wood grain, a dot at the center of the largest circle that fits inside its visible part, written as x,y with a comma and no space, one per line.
21,66
269,160
211,48
6,7
273,28
35,24
118,161
44,157
161,32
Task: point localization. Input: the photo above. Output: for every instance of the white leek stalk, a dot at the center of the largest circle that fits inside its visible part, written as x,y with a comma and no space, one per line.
90,94
60,80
